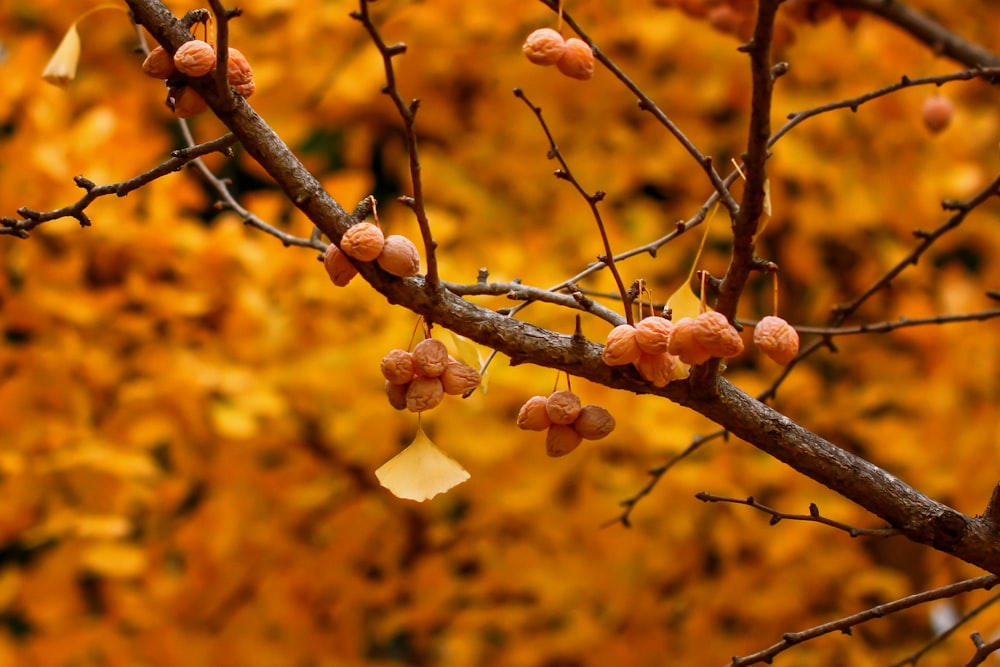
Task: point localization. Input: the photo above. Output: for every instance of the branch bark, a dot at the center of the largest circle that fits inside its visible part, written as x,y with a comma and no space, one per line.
925,29
918,517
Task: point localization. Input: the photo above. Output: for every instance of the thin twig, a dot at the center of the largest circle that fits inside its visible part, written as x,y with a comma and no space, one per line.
592,200
844,625
408,113
814,516
853,103
657,473
221,51
842,312
32,218
576,299
647,104
940,637
901,323
983,650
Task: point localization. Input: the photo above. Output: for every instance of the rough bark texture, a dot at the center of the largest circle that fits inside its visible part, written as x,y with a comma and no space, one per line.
921,519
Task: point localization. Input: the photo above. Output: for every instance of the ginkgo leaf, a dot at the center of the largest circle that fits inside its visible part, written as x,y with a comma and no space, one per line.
472,354
114,560
684,303
765,216
421,471
61,68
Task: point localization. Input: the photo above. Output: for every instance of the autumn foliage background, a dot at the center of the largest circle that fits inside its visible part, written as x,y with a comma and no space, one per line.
190,413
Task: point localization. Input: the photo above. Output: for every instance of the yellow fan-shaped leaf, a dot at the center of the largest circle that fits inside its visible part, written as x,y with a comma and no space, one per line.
61,68
684,303
421,471
765,216
114,560
472,353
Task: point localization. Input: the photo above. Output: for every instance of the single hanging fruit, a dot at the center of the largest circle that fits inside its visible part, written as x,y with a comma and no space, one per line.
777,339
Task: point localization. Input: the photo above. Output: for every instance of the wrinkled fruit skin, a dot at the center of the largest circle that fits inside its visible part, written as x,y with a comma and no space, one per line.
159,64
577,61
684,345
399,256
561,440
714,333
337,266
544,46
658,369
188,102
533,416
777,339
398,367
424,393
594,423
362,241
563,407
239,74
195,58
621,348
459,377
430,357
936,113
652,334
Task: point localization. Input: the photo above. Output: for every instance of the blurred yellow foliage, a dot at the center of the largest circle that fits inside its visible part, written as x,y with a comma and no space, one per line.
191,414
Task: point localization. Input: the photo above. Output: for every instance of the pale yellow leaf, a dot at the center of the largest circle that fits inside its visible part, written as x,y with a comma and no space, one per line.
61,68
684,303
101,526
421,471
115,560
766,215
473,354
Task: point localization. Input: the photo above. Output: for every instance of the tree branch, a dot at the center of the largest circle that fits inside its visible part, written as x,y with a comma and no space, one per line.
845,624
180,157
941,40
814,516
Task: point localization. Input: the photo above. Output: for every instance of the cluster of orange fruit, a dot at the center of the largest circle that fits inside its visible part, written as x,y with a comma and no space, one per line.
656,346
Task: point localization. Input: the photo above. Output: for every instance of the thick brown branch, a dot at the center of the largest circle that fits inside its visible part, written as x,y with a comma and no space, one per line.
752,205
928,31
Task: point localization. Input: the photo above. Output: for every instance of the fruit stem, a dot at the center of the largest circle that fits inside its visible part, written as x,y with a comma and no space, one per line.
774,277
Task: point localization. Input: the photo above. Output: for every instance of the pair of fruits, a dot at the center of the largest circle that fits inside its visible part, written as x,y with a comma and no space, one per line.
365,242
573,57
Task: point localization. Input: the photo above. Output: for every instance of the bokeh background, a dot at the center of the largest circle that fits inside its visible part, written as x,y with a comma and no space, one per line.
191,414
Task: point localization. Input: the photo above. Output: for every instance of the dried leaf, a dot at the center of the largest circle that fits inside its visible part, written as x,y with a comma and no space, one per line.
421,471
61,68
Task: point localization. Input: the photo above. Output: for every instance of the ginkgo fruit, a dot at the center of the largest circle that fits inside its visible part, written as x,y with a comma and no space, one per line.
621,347
544,46
577,60
652,334
936,113
777,339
